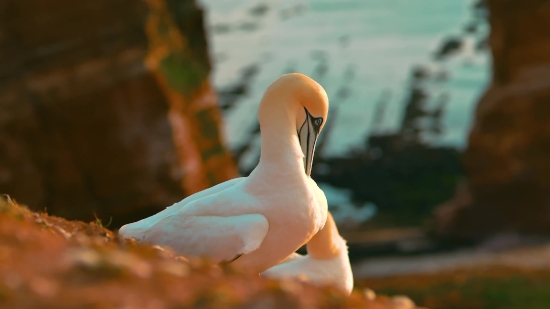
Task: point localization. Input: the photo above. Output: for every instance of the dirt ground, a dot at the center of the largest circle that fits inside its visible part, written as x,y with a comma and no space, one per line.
49,262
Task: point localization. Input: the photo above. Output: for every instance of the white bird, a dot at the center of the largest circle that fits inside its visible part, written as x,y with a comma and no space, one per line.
256,221
326,262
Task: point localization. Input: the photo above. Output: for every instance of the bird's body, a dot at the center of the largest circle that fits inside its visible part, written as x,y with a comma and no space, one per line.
258,220
327,261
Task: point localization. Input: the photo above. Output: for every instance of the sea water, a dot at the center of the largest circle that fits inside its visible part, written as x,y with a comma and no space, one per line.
376,41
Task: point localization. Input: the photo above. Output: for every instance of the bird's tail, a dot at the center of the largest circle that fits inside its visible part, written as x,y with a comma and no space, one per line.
134,230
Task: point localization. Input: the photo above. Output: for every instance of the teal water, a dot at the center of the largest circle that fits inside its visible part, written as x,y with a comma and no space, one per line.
385,39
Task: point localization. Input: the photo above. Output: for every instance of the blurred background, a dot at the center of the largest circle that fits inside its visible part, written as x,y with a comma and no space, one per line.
435,159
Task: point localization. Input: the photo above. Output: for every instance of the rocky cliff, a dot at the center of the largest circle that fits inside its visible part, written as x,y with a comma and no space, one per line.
507,160
86,126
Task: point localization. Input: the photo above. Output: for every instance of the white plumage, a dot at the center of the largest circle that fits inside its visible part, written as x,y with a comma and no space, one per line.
327,261
270,214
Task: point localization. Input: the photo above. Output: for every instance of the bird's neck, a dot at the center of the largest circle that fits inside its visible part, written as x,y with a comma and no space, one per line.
280,148
327,243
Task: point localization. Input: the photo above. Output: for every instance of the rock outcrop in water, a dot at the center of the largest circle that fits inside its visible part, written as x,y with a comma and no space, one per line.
507,160
85,127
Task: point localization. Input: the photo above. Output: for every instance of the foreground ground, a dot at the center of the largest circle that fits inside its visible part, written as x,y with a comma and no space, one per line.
49,262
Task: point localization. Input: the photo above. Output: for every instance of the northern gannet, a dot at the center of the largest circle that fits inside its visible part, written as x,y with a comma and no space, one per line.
255,222
326,262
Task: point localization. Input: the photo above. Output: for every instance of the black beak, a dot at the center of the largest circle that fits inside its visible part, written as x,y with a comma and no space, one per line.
307,135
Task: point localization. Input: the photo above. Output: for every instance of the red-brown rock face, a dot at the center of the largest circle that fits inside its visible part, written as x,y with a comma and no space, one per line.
508,157
84,125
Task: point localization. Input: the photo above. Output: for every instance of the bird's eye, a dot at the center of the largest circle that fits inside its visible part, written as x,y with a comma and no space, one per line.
318,121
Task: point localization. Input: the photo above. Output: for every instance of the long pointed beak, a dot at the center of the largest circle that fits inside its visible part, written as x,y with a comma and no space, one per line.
307,135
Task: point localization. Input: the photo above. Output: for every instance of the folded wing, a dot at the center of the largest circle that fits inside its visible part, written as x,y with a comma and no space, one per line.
217,237
135,229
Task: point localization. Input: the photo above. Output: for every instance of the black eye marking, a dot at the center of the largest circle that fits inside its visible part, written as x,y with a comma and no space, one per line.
300,131
318,121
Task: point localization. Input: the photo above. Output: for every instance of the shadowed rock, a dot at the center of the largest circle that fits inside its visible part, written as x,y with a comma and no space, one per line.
507,159
84,126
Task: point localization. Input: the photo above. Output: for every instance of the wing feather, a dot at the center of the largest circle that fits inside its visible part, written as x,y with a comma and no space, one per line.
220,238
133,229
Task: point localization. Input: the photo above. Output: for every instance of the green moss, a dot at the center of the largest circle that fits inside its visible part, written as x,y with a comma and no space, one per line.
99,222
183,74
521,291
11,208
